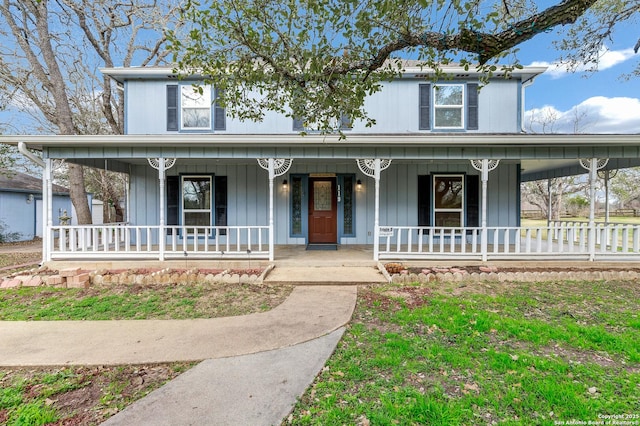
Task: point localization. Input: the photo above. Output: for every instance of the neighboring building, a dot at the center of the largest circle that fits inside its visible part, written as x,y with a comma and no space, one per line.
21,205
437,177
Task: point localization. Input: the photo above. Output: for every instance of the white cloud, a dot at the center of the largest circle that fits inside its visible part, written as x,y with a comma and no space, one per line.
607,59
598,114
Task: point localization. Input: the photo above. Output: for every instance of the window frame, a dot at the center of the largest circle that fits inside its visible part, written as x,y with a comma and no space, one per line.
461,210
462,107
184,211
207,90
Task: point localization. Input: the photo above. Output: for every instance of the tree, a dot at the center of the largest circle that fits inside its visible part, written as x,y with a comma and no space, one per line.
319,59
585,41
50,52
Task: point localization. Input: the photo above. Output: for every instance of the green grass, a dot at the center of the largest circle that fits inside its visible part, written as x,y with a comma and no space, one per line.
516,354
196,300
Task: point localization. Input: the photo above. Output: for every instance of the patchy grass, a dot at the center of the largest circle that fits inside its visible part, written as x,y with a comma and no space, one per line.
76,395
483,353
195,300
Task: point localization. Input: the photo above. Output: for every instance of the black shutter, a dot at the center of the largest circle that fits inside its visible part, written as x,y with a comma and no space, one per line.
425,107
472,106
172,188
172,107
473,200
221,202
298,124
424,200
219,114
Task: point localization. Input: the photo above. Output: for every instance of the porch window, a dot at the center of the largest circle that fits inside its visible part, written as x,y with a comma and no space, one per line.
196,200
195,107
448,205
348,205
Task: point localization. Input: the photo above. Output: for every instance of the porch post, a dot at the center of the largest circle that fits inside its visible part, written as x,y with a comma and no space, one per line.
549,203
161,231
275,167
373,168
484,167
47,210
271,227
593,165
162,165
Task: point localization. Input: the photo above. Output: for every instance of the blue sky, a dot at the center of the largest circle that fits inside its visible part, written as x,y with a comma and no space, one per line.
606,102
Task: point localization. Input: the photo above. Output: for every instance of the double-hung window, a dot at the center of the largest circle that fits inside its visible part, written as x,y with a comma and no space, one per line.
448,196
448,106
196,200
192,108
195,107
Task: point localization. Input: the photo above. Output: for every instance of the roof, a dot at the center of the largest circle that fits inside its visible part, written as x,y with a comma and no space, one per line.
412,69
22,182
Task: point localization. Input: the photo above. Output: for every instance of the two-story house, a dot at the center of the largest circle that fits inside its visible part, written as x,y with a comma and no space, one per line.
438,176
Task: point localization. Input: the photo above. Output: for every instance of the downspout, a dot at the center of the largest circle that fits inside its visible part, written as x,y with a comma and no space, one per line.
22,148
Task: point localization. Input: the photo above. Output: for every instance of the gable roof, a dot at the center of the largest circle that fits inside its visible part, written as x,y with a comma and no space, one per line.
22,182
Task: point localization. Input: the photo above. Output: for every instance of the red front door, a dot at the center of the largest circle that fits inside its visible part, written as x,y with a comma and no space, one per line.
323,210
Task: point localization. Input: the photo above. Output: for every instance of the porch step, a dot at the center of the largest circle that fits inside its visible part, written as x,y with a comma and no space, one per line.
325,275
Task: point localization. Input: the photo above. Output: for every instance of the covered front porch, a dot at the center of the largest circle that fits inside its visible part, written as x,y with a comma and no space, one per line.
386,178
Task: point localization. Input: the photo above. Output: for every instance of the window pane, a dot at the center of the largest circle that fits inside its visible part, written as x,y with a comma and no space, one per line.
194,118
196,193
449,95
197,219
322,196
448,117
448,192
192,99
348,205
448,219
296,205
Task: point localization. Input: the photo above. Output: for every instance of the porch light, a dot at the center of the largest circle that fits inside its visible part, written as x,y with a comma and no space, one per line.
358,185
29,198
285,184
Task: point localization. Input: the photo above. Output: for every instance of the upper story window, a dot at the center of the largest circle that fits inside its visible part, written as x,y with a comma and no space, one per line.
301,125
195,108
188,109
448,106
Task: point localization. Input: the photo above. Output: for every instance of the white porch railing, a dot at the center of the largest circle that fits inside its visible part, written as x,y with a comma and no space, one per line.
123,241
559,240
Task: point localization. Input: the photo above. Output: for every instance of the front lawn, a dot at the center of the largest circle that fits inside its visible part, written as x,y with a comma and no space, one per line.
484,353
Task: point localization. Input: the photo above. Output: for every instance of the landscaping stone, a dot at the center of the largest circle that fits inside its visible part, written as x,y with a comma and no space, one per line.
69,272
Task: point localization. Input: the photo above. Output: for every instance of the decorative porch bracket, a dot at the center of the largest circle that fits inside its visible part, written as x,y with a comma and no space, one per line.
592,165
373,167
162,165
484,167
276,167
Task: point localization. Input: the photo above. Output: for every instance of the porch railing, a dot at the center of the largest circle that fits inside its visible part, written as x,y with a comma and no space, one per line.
123,241
559,240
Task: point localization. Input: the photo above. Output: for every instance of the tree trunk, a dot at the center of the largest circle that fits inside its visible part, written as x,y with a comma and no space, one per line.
78,194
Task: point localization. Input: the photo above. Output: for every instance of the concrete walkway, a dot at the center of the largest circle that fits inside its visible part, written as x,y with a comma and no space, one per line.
309,312
258,389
